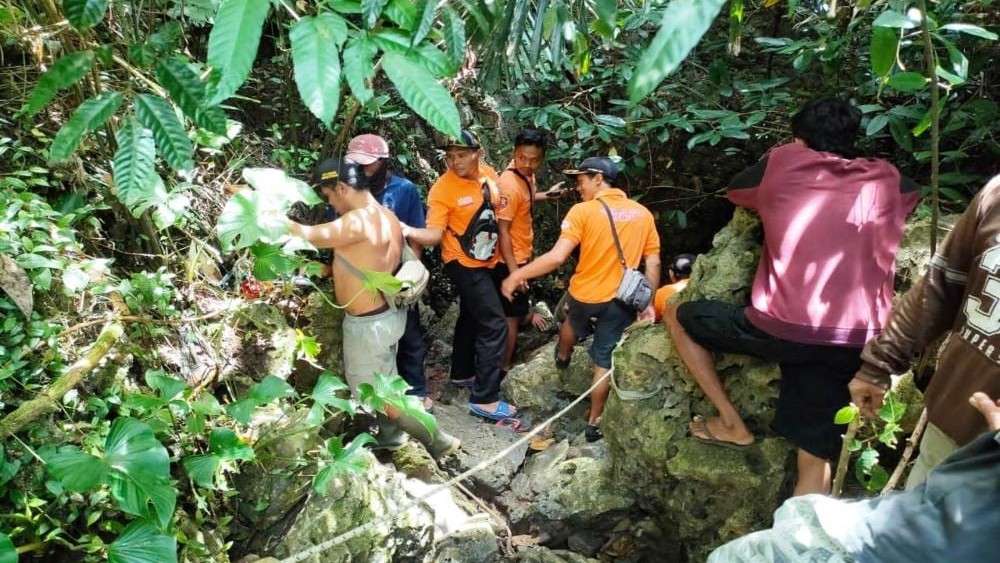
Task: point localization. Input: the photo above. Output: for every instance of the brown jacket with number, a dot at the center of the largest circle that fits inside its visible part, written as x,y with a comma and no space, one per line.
960,292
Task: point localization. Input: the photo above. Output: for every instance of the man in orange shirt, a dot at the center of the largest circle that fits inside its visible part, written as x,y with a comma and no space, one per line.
462,218
518,195
595,282
677,274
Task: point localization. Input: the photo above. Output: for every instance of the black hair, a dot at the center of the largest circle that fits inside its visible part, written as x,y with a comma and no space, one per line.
681,265
829,125
534,137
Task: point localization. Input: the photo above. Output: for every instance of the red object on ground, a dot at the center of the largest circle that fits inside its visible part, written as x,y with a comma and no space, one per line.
250,288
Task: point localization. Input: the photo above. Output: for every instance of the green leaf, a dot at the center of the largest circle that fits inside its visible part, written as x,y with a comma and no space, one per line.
233,42
246,219
381,282
426,21
76,470
970,29
391,390
959,63
84,13
8,554
371,10
143,543
359,68
202,469
168,387
141,469
280,188
228,446
172,141
885,42
422,92
341,460
61,75
454,32
315,41
270,262
908,81
427,56
876,124
403,13
891,18
846,415
190,94
683,24
892,410
133,166
241,410
269,389
879,478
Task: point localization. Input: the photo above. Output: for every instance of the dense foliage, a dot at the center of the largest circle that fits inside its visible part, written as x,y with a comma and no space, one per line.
133,125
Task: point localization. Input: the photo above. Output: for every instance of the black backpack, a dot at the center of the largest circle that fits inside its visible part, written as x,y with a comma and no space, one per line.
479,241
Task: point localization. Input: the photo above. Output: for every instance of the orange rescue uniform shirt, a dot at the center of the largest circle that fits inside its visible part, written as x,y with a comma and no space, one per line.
515,206
598,272
664,294
451,203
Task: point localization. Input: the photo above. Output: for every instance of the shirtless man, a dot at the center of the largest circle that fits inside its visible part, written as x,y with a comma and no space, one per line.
366,237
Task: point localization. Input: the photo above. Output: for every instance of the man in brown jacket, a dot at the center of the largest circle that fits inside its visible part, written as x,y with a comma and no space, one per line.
960,292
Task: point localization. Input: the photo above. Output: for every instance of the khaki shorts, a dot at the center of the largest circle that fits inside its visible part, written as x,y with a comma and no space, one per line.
370,345
935,445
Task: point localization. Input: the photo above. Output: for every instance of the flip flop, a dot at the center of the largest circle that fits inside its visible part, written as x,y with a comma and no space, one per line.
503,410
711,439
515,425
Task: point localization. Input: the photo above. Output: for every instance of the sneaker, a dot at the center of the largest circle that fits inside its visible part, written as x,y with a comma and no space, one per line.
593,433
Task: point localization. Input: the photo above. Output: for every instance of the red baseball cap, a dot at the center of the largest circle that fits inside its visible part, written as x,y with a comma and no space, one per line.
366,149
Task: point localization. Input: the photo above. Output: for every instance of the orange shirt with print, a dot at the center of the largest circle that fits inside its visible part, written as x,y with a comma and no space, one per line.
598,272
664,294
515,206
451,204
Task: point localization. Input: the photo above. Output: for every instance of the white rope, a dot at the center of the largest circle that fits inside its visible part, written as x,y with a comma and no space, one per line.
388,519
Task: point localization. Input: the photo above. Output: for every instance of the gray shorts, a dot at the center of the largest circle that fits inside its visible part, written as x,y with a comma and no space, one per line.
370,344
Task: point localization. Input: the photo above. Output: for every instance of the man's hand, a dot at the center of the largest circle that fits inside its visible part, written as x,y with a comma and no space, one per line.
524,283
555,191
866,396
988,407
510,285
648,314
405,229
295,229
539,321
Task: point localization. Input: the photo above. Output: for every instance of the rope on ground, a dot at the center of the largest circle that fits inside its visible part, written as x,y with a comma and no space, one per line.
390,518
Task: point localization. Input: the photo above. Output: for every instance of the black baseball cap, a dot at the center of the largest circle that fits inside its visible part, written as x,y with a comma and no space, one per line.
466,140
333,170
596,165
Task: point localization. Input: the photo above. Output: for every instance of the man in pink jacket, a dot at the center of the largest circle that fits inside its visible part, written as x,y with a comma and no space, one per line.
832,225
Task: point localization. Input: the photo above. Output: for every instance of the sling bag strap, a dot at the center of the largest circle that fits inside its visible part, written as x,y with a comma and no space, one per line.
614,233
531,194
487,202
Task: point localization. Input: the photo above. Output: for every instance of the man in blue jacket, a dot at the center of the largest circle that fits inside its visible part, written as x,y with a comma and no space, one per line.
401,196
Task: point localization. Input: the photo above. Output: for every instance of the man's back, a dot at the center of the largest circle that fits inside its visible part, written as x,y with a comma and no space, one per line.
832,227
377,247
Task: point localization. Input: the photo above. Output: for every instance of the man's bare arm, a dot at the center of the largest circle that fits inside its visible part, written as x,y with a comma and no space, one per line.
507,245
334,234
424,237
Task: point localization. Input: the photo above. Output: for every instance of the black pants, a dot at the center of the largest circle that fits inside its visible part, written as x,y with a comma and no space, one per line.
411,353
480,333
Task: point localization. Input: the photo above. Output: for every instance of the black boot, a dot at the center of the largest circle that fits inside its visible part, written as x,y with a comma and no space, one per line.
439,444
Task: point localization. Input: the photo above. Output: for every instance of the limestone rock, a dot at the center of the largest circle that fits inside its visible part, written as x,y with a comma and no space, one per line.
257,342
475,541
353,500
539,554
536,386
325,326
914,250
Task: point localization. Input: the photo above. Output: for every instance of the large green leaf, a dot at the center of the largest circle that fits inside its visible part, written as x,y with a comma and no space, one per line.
908,81
684,22
84,13
270,262
403,13
168,387
315,41
425,55
325,394
426,21
141,469
359,67
61,75
280,189
970,29
133,166
885,42
90,115
78,471
143,543
232,44
391,390
371,10
202,468
171,140
422,92
269,389
246,219
894,19
454,32
224,443
189,92
8,554
341,460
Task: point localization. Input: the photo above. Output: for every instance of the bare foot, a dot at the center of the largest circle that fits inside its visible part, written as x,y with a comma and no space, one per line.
714,430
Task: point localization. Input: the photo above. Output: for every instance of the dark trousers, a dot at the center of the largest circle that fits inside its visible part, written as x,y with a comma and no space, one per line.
411,353
480,333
